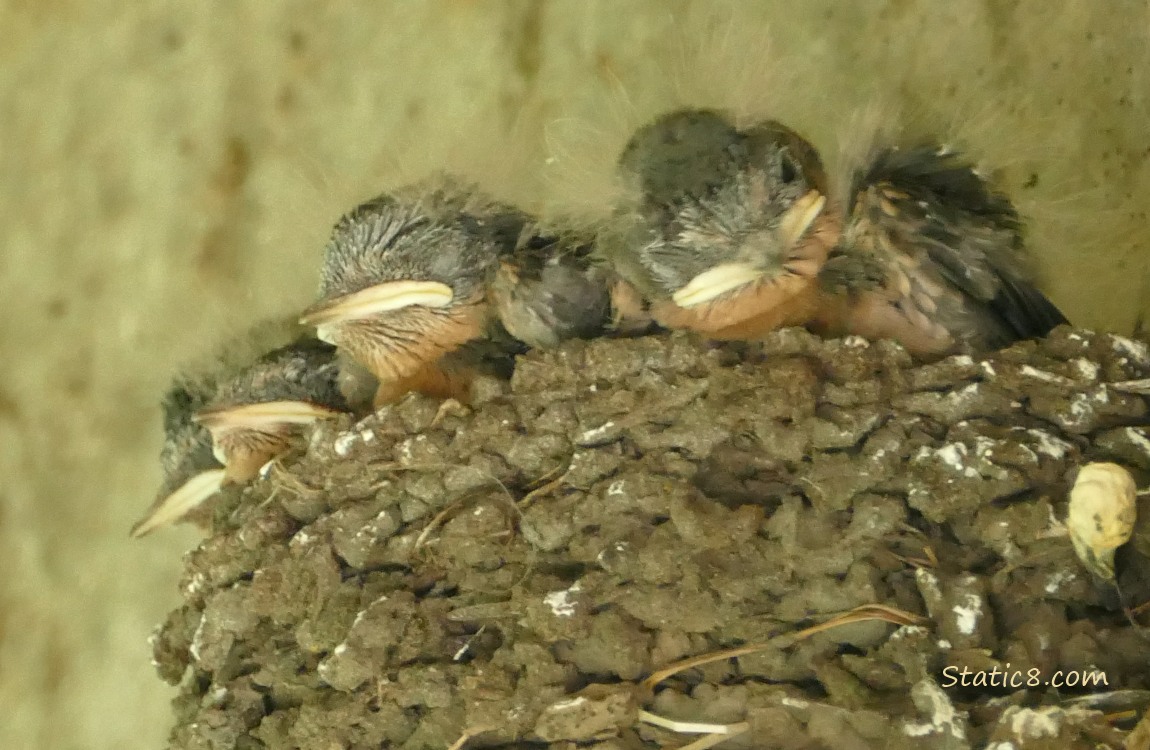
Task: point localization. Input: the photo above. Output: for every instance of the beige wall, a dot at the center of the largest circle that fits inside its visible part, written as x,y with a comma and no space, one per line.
168,174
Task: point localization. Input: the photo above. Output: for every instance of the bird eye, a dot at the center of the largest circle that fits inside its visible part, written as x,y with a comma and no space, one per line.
788,170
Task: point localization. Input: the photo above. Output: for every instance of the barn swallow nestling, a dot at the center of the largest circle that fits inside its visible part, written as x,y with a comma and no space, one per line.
732,235
727,229
221,428
422,288
191,472
549,290
931,256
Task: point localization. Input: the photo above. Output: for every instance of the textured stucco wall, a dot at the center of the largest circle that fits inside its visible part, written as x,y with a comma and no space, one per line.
169,173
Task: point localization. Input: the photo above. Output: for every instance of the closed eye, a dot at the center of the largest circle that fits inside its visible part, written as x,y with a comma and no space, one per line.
788,170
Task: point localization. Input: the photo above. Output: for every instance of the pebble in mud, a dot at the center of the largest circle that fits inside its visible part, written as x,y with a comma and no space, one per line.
402,589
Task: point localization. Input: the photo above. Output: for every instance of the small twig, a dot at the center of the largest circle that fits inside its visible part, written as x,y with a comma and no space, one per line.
272,496
1118,716
440,467
682,727
698,661
1143,607
911,529
463,649
1129,612
467,735
541,490
1132,386
914,562
734,730
434,523
859,614
448,406
549,475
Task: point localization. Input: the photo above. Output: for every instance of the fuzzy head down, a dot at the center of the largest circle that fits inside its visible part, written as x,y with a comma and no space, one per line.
710,194
445,234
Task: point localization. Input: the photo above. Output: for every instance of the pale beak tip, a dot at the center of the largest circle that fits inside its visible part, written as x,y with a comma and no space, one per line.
177,505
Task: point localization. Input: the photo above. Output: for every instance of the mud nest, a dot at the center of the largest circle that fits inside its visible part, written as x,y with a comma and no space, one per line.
510,574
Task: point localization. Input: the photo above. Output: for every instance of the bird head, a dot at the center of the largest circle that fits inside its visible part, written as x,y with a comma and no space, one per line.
403,278
719,207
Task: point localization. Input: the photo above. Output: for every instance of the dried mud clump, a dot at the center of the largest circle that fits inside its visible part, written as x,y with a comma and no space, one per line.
512,573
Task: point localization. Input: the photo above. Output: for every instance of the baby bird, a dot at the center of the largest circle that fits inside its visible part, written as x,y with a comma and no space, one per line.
725,230
191,472
732,235
931,256
222,426
431,285
550,289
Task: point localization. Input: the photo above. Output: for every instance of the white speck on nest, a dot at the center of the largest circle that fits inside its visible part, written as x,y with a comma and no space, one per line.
856,342
1035,723
366,435
1079,406
194,585
1044,376
944,644
1136,350
794,702
341,649
905,631
616,487
968,614
928,581
953,455
1058,579
618,547
984,446
595,432
1001,745
593,388
1139,439
266,468
301,538
1086,369
197,639
218,695
967,392
1048,444
342,443
560,601
1029,453
943,718
567,705
988,369
362,612
962,360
